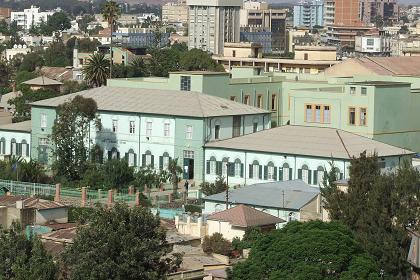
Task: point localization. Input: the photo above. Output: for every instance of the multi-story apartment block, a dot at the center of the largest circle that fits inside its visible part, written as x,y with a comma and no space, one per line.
175,12
373,45
387,10
308,13
257,17
347,12
329,12
212,23
30,17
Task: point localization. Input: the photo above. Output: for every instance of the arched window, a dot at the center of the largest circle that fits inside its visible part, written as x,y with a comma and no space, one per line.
319,175
305,174
13,149
24,147
239,168
211,166
225,162
286,172
113,154
148,159
164,161
217,129
2,146
270,173
131,158
255,170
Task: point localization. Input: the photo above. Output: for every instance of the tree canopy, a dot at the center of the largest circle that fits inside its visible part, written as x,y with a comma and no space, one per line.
311,250
97,69
119,243
22,258
377,208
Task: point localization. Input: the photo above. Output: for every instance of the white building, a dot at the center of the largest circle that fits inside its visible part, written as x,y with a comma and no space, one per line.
329,12
292,152
30,17
212,23
9,54
15,140
373,45
175,12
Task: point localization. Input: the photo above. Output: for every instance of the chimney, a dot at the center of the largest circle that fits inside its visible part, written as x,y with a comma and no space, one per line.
57,196
110,198
84,196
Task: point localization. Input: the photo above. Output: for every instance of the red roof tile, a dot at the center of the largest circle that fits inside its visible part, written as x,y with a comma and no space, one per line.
245,216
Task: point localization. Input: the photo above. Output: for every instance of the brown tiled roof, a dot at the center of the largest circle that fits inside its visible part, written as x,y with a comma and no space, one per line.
387,66
29,202
245,216
66,235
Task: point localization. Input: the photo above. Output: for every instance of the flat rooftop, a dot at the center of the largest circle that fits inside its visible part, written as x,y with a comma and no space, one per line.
381,84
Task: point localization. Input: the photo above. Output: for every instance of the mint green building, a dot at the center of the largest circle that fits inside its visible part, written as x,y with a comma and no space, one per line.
149,127
380,107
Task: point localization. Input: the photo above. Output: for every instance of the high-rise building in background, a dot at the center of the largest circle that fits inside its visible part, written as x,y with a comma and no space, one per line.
30,17
329,12
257,18
346,12
175,12
308,13
371,10
212,23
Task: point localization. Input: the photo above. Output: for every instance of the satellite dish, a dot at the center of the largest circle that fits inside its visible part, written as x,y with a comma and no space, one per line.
14,46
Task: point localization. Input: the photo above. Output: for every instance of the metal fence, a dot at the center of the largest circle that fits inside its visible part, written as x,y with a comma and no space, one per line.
25,188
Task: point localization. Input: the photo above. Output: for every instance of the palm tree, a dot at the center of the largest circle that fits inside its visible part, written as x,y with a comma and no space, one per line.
111,12
174,170
96,70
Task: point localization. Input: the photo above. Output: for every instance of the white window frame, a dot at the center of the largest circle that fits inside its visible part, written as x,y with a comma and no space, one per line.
270,172
255,171
166,129
148,159
212,167
131,159
114,125
43,120
286,173
149,126
305,175
189,132
165,162
237,169
132,127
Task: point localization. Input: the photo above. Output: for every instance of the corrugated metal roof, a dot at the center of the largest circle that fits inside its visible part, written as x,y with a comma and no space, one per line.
309,141
25,126
296,195
245,216
153,101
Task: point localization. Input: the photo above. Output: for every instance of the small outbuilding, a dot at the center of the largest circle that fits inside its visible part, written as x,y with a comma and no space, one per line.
233,222
43,82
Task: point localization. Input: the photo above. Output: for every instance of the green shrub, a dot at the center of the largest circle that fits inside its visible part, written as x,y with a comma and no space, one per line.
193,208
79,214
217,244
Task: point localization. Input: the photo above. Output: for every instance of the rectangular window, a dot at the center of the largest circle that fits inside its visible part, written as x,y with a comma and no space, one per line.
255,127
273,102
246,99
237,169
166,127
13,152
114,125
43,141
148,159
317,113
352,90
224,169
188,154
132,127
236,126
213,167
165,162
131,159
327,114
364,91
259,101
352,116
216,131
308,115
43,120
185,83
363,115
189,132
255,171
149,128
305,175
286,174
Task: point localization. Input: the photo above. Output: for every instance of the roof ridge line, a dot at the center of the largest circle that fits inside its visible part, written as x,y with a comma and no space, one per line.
379,64
342,142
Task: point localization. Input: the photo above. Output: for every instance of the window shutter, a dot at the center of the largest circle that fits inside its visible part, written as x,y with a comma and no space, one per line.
208,167
315,177
275,174
152,162
231,169
341,176
160,162
250,171
280,173
109,155
300,174
242,170
265,172
126,157
260,172
290,174
135,159
218,168
309,177
118,155
27,150
143,160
